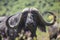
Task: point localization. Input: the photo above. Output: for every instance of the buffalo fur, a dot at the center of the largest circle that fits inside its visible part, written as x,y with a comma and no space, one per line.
28,24
35,20
53,31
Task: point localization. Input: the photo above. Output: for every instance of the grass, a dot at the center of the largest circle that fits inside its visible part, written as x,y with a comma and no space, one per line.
41,35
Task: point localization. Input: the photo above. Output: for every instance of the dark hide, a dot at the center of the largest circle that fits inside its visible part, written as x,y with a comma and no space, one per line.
35,20
32,23
12,25
0,37
16,23
39,23
22,21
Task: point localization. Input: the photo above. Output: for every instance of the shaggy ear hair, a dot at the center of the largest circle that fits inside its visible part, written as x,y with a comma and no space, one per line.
42,27
14,20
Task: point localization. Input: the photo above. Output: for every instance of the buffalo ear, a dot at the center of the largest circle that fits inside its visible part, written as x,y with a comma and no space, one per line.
42,28
13,21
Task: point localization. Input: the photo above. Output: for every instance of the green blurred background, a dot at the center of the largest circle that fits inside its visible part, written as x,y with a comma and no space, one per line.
10,7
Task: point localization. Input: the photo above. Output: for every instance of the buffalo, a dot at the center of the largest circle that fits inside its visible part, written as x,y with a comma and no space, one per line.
53,31
34,20
3,27
28,21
